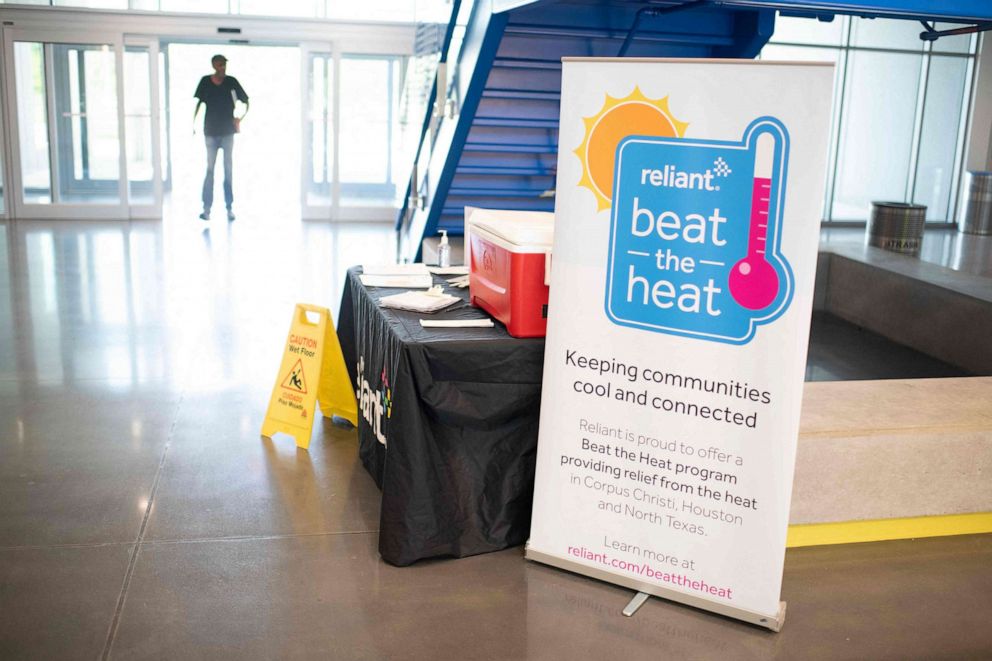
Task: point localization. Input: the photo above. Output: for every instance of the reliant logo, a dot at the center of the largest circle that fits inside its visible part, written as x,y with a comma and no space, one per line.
671,177
372,403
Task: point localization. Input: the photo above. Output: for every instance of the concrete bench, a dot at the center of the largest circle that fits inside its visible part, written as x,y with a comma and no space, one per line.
872,452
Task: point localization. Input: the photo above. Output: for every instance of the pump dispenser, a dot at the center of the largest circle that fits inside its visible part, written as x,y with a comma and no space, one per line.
444,251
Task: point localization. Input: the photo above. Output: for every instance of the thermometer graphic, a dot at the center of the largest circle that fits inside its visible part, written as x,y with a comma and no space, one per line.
753,280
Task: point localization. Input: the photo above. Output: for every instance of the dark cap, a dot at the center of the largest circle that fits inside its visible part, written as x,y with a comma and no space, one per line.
218,57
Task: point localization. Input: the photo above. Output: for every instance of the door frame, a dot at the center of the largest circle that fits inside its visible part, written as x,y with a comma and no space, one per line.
307,50
153,210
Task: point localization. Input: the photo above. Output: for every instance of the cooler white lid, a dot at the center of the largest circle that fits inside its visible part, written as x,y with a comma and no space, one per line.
521,228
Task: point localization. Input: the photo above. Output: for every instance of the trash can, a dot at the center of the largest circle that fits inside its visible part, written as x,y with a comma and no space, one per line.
897,226
978,204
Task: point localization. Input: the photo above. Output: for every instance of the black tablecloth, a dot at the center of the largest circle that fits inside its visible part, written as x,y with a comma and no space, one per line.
447,424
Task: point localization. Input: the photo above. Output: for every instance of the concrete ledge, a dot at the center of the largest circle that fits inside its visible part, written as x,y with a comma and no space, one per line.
893,449
935,310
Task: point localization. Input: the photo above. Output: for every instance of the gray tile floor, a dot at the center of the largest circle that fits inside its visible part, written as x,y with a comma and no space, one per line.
142,516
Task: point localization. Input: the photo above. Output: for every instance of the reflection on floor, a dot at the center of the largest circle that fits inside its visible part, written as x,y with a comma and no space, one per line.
141,515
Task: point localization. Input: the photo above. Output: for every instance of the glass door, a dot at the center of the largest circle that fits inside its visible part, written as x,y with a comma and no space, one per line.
320,189
87,167
74,99
142,127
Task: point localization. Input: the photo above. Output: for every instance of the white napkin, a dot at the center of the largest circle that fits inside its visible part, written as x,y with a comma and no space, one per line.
431,300
448,270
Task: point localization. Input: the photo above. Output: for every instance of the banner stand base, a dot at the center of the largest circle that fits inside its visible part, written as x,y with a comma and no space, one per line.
773,623
635,603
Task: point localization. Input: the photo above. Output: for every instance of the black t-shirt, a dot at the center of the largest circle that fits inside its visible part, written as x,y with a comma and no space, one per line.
220,99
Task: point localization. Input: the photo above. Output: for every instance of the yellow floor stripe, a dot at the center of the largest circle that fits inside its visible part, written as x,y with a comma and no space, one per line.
849,532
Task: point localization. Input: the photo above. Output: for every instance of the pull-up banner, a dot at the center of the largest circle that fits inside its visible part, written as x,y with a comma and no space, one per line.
687,221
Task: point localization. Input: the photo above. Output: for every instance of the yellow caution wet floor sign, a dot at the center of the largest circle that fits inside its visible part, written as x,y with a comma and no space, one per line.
312,370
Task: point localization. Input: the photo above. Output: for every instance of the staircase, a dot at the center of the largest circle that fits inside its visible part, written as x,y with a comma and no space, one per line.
494,141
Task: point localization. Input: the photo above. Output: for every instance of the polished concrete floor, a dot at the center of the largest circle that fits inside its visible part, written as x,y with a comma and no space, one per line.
143,517
842,351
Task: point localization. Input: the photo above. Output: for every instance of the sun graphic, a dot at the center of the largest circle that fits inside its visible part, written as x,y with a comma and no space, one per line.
634,114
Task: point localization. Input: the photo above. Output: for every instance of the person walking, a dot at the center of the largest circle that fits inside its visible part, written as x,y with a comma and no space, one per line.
218,92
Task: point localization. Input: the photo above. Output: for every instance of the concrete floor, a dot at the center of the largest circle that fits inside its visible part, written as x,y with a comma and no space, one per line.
142,516
842,351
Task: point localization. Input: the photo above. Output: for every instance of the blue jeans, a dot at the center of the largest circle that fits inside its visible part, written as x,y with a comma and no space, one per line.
215,142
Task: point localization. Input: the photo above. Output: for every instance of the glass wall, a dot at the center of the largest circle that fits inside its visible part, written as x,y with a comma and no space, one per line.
877,126
898,125
942,123
348,10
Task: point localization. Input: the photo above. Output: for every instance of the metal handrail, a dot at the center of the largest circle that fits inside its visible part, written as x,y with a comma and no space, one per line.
412,200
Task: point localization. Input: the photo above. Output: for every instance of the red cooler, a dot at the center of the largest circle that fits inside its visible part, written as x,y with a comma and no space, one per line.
510,261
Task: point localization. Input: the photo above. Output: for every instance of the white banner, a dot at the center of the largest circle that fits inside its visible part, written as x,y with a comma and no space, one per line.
687,223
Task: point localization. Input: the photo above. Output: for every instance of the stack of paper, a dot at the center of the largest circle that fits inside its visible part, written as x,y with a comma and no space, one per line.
395,269
417,301
409,276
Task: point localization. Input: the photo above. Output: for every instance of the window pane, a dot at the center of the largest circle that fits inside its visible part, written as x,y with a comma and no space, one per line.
87,145
367,99
100,70
138,128
199,6
809,31
363,10
938,142
876,131
886,33
321,124
32,121
301,8
799,54
92,4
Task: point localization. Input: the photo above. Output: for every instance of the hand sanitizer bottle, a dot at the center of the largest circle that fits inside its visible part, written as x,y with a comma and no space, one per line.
444,251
